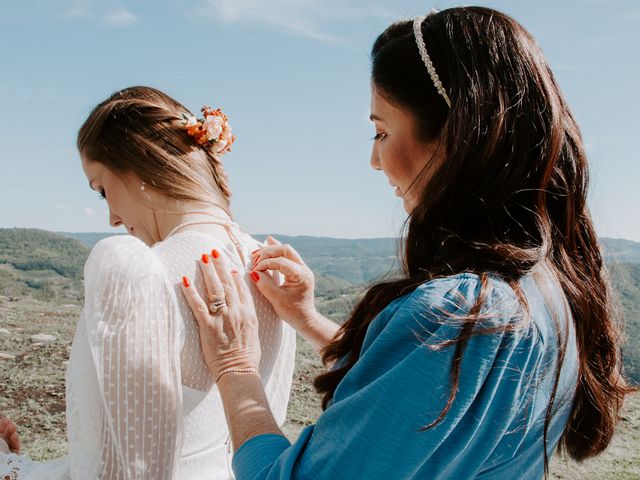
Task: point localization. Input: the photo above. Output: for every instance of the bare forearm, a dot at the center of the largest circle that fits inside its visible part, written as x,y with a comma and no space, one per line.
317,329
246,407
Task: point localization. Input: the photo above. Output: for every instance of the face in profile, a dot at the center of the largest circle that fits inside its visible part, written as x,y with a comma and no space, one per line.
128,204
398,152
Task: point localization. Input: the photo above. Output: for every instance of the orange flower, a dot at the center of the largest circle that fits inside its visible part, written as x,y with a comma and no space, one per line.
213,131
194,130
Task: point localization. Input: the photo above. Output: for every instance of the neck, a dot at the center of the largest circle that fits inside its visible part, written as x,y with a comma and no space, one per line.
168,222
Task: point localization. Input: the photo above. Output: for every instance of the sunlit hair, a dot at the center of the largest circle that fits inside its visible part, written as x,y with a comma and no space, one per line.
141,130
508,195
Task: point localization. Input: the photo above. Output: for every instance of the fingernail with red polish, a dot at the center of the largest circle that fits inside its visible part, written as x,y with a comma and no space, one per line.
205,258
185,282
215,253
255,276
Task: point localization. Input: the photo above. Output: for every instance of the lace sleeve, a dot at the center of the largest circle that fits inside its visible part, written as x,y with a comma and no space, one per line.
131,325
21,467
14,467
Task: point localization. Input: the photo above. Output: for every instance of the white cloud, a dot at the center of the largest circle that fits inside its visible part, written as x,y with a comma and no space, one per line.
120,18
80,9
89,212
59,206
303,18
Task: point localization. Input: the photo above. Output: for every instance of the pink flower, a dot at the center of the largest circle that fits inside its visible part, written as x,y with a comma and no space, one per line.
212,131
220,146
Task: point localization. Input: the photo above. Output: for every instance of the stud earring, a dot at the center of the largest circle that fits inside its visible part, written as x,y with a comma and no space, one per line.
142,186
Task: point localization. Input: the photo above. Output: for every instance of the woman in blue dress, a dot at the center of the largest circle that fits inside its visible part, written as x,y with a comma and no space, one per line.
499,342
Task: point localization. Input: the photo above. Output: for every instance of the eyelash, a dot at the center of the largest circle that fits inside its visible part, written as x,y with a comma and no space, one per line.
102,195
379,136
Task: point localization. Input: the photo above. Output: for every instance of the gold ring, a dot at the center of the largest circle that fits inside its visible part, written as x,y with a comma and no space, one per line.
217,305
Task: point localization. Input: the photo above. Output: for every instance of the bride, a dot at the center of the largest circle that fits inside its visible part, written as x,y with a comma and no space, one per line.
140,400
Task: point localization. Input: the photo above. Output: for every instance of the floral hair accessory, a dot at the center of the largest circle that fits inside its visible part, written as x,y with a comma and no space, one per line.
212,131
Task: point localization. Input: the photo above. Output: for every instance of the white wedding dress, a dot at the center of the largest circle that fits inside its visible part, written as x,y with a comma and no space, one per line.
140,400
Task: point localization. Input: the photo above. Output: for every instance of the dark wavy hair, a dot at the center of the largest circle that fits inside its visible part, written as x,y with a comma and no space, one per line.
510,194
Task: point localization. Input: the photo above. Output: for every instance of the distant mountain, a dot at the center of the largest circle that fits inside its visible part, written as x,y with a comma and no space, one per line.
89,239
620,250
358,262
382,251
342,262
626,281
31,259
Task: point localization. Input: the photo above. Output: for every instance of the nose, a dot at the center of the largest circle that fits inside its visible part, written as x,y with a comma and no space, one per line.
375,161
114,220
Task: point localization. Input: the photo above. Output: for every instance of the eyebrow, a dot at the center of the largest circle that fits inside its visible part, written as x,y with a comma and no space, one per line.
375,117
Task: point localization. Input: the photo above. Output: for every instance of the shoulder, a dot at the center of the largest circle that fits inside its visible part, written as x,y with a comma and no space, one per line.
456,295
439,308
121,258
119,246
120,250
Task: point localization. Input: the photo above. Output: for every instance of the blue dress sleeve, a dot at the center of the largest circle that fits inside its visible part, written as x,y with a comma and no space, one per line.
373,428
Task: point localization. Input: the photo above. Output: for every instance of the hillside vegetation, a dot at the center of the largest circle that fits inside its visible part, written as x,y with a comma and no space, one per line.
30,249
343,268
41,292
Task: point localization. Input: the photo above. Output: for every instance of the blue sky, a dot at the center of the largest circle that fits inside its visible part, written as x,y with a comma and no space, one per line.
293,75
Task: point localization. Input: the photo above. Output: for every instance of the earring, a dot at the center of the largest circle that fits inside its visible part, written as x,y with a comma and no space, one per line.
142,186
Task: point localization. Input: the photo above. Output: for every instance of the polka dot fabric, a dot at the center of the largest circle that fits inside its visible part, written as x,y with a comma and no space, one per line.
140,400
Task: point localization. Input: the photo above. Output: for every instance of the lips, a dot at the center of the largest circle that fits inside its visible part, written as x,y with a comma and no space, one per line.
398,192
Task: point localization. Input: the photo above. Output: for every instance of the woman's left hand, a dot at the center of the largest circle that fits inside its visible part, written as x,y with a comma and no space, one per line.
227,318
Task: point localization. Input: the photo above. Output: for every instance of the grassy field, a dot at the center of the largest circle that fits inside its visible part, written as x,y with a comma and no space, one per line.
32,389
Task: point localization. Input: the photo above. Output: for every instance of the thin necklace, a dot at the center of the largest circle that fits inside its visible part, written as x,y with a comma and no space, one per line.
213,220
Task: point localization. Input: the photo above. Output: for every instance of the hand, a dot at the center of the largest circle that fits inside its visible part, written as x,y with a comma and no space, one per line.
9,433
228,336
293,301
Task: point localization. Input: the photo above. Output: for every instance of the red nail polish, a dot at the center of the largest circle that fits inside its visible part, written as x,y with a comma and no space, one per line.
185,282
215,253
255,276
205,258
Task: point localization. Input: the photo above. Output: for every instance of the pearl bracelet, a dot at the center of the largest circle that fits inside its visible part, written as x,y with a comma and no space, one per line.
237,370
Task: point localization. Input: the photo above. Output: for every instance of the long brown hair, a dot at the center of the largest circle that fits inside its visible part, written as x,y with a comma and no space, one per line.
509,195
138,130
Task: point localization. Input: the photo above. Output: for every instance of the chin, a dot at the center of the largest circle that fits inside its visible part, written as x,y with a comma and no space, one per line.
408,205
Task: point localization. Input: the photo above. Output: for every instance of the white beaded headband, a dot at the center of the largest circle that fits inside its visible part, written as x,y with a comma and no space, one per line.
417,31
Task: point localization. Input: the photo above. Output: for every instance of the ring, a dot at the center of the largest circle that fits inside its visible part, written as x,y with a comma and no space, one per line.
217,305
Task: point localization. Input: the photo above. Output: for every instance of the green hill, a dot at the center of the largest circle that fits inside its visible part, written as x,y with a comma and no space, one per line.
42,264
40,292
39,261
32,249
355,261
626,281
620,250
361,261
